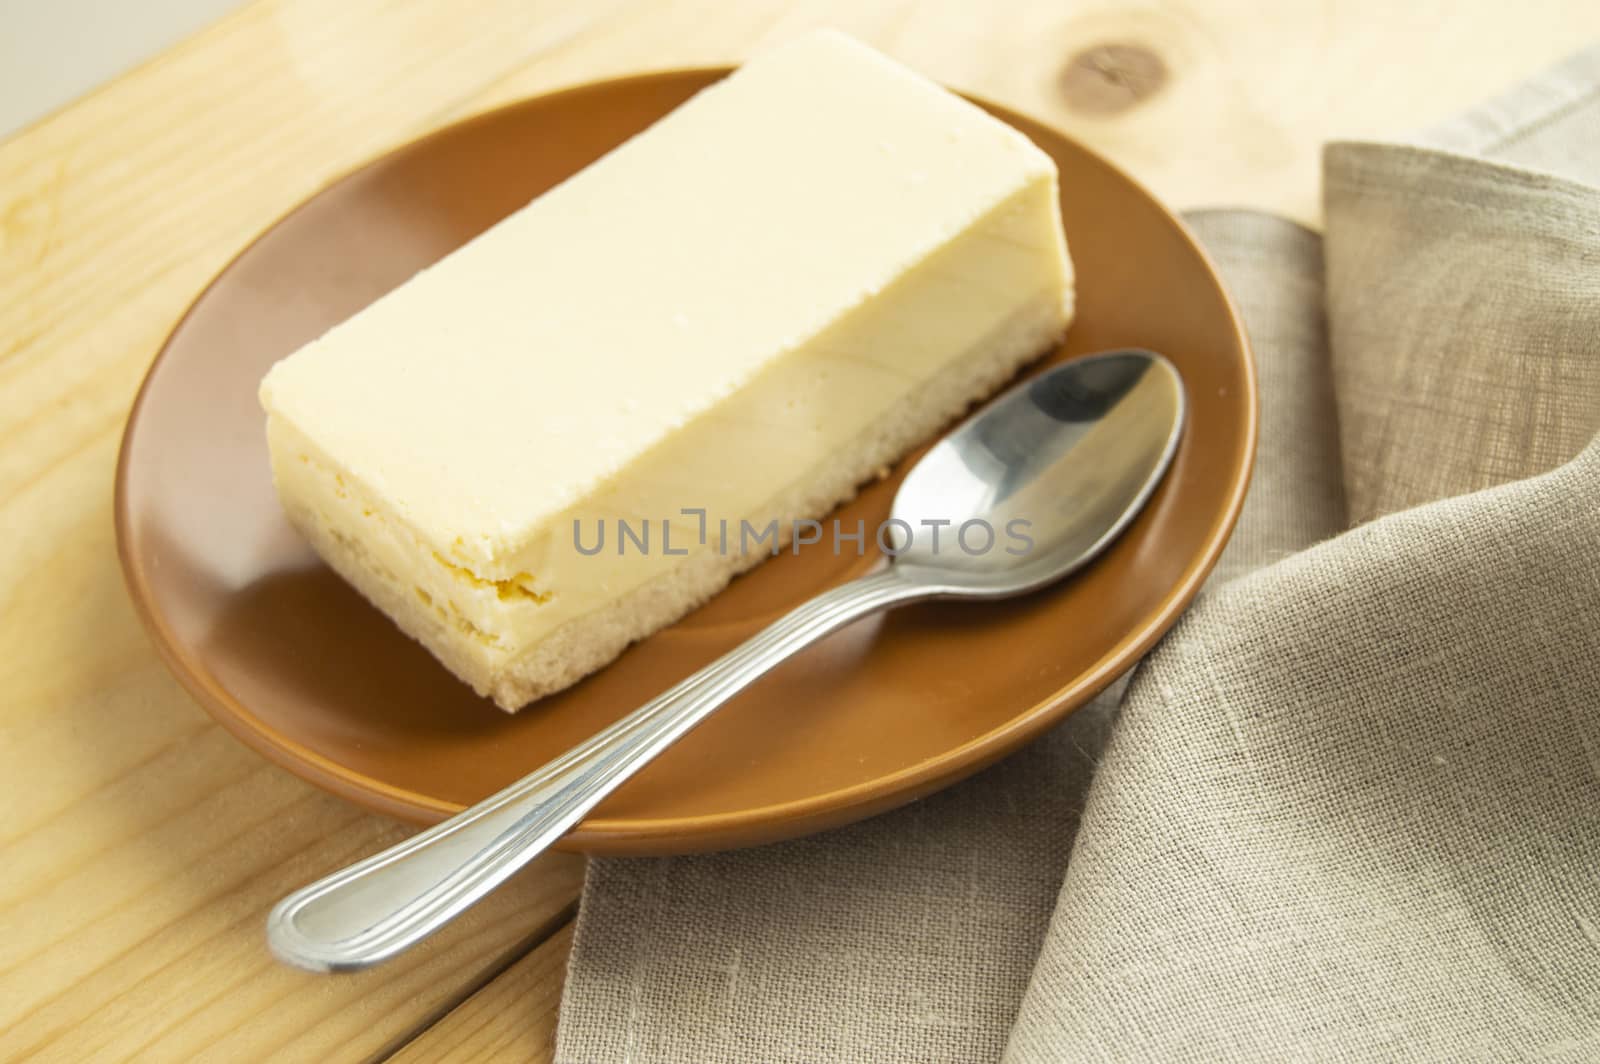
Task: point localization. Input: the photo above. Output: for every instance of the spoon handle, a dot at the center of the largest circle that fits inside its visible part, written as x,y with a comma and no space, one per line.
381,905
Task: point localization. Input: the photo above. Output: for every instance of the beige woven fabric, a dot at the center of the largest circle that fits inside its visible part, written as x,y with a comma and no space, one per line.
1349,808
1464,300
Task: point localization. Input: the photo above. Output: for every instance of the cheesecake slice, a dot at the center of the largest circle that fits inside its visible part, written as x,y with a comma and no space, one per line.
740,315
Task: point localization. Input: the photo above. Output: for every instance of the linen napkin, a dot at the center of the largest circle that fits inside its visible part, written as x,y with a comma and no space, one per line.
1349,808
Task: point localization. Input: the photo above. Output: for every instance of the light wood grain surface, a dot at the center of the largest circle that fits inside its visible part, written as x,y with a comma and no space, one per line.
140,846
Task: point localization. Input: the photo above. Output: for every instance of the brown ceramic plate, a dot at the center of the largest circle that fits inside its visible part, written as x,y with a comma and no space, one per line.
296,664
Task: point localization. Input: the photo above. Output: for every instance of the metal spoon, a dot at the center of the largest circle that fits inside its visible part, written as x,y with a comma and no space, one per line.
1054,469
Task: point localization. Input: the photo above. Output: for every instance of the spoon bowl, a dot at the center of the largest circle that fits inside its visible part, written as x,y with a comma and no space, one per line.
1026,491
1040,480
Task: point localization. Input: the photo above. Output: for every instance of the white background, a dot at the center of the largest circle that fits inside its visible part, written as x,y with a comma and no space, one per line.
53,51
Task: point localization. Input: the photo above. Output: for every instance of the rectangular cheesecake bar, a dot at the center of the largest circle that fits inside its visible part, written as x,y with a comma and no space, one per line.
749,309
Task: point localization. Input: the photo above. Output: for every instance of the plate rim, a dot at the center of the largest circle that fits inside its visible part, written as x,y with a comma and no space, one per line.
710,831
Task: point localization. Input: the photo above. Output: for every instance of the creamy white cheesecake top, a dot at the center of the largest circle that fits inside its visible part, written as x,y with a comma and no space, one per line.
527,370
